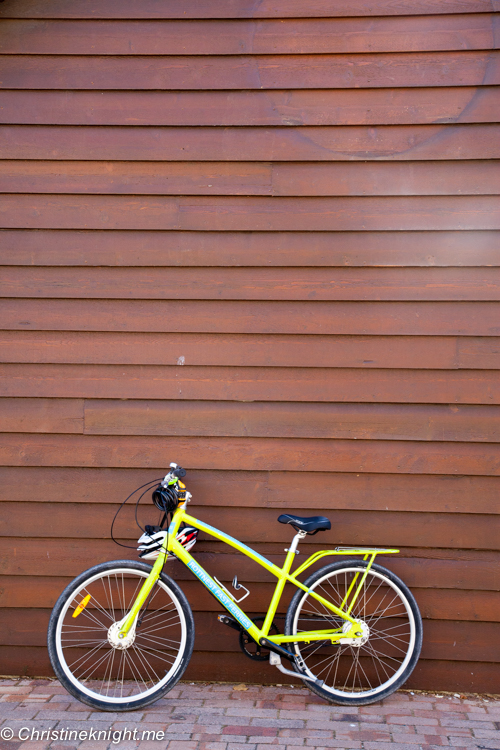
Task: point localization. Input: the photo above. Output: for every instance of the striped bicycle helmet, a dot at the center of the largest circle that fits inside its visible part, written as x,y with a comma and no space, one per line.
150,542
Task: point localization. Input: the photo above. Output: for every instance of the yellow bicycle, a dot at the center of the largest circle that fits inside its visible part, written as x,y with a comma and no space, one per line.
122,633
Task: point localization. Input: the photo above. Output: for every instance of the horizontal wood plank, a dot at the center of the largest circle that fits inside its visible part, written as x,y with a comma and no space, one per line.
247,384
271,419
349,143
248,350
246,178
477,639
473,284
41,415
234,37
224,316
462,622
454,603
18,597
125,73
428,577
67,247
250,454
35,660
399,352
417,567
469,676
467,531
403,106
280,490
441,675
252,213
237,9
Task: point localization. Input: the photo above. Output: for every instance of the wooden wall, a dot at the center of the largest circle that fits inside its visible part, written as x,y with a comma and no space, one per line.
259,239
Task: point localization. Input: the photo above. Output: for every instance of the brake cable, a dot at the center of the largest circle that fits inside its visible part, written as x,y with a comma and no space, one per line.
148,486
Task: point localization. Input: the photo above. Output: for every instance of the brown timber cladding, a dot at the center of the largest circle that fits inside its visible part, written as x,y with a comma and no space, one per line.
259,239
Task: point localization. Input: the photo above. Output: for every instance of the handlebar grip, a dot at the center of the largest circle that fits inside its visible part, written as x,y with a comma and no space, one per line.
175,469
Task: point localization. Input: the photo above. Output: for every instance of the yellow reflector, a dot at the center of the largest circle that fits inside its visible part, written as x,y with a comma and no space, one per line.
82,605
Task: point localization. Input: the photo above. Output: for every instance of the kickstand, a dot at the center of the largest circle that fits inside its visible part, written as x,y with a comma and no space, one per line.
275,661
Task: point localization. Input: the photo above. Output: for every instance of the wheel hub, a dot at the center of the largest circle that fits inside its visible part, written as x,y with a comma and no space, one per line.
362,629
114,637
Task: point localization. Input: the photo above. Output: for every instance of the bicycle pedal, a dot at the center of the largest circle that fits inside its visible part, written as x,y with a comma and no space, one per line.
226,620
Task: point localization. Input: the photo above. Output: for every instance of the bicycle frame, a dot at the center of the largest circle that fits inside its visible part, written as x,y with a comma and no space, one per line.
171,545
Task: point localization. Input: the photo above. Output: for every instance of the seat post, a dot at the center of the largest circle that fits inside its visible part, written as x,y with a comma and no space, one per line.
295,542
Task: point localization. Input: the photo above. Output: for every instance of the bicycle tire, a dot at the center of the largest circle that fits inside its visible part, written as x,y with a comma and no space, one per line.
83,657
357,675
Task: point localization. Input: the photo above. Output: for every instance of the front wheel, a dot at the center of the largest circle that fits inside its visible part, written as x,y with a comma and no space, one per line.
86,654
357,674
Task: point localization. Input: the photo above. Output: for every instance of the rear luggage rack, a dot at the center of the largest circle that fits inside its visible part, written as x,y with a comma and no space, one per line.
363,550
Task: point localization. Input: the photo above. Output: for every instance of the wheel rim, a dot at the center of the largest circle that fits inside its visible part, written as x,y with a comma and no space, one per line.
103,672
357,671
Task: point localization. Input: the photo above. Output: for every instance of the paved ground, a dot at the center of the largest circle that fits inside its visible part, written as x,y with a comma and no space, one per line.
249,717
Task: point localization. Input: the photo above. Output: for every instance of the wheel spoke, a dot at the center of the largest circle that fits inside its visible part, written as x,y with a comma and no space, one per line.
152,630
149,669
96,604
86,675
91,616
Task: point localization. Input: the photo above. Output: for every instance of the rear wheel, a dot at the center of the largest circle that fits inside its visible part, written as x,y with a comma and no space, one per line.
388,614
91,661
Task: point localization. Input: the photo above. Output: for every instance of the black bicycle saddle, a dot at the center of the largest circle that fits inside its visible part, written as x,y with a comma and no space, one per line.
310,524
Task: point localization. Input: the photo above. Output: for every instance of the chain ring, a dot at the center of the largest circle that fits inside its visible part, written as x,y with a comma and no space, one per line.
253,650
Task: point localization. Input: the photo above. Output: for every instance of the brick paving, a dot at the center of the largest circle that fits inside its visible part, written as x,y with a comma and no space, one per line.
220,716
